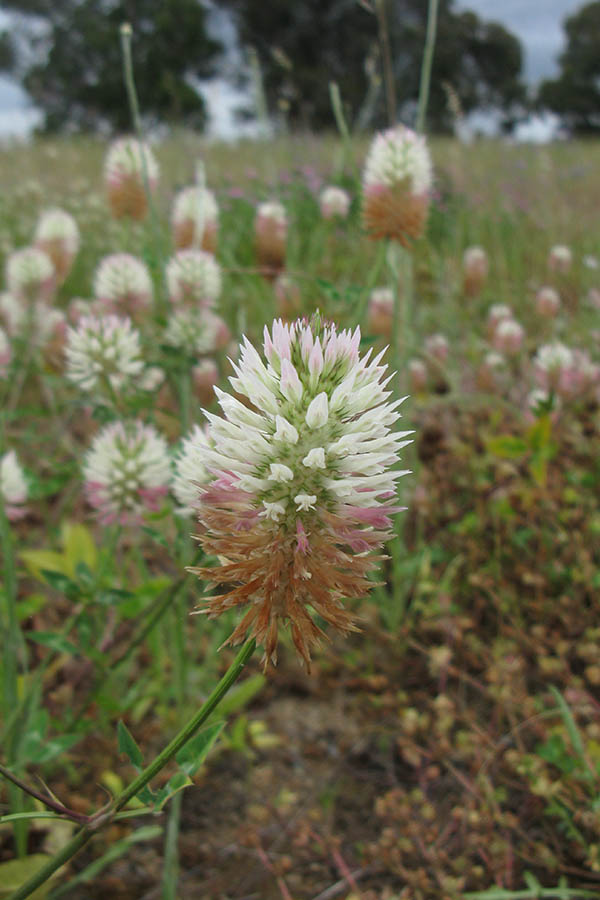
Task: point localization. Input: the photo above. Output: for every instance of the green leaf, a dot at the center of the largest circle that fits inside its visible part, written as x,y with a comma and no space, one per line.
37,750
38,560
507,446
61,583
177,783
193,754
572,728
16,871
128,746
79,546
54,641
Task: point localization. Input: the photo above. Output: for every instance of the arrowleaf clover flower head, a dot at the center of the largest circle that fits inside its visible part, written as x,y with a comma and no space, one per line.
190,472
13,485
334,202
124,177
194,277
508,336
30,274
475,270
127,472
303,486
195,331
552,363
57,235
270,237
547,302
122,283
195,219
560,258
103,349
36,321
397,181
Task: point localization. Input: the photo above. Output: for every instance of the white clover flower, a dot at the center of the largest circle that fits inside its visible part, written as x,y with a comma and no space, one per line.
5,352
334,202
124,177
122,282
195,218
30,274
13,485
552,358
126,472
397,182
304,485
57,235
103,349
193,277
190,475
195,331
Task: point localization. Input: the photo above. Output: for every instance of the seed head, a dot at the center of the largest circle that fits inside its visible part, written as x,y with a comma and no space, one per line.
14,486
194,278
195,219
122,284
302,486
103,349
124,177
396,184
126,472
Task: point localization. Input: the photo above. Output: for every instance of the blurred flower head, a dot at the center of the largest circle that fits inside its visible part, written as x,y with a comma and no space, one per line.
13,485
5,353
436,345
57,234
122,284
508,336
196,331
30,275
127,472
195,219
124,177
334,203
547,302
397,182
193,277
270,237
560,258
302,482
380,312
475,270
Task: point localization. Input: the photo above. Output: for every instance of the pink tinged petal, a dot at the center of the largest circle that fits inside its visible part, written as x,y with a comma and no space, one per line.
306,344
285,431
291,386
317,413
303,545
315,361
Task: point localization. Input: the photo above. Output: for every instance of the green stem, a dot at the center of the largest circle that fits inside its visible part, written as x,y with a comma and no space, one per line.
106,816
399,263
426,64
388,69
12,645
137,124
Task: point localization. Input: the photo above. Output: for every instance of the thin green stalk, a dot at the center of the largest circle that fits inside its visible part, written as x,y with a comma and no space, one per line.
399,262
134,107
388,69
340,121
107,815
426,64
10,657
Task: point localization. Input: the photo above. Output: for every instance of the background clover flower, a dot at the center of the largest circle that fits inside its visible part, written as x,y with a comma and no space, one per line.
36,321
303,483
103,349
13,485
397,182
196,331
30,274
127,472
122,283
5,352
57,235
270,237
190,473
334,202
193,276
124,177
195,219
475,270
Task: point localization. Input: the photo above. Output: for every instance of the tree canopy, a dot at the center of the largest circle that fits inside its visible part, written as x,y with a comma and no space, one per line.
305,44
575,94
77,76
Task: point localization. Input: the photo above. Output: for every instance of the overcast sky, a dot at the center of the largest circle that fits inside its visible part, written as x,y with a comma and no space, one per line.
537,23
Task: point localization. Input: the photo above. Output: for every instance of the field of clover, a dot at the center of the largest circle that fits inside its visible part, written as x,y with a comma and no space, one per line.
205,357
